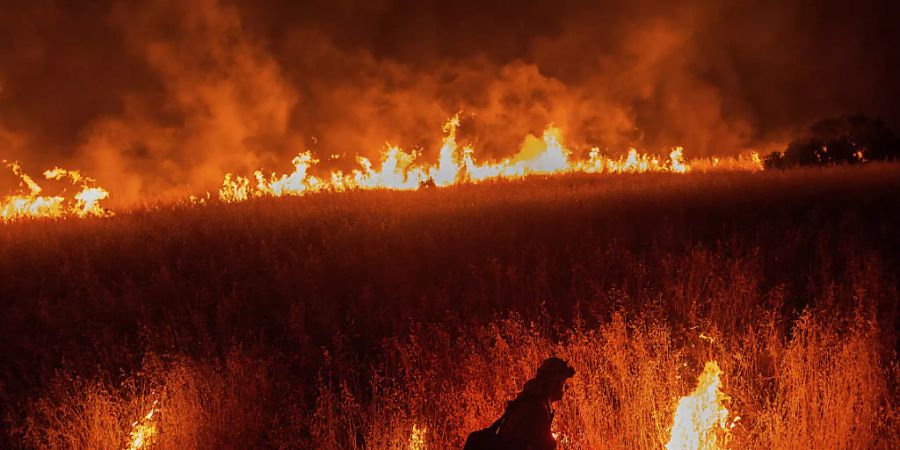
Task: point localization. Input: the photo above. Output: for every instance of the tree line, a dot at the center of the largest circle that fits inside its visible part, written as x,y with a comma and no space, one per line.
852,139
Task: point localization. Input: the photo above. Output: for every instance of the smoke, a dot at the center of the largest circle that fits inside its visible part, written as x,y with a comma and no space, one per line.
160,99
223,102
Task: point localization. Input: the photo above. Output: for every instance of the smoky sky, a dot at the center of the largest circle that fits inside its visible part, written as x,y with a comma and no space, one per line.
160,98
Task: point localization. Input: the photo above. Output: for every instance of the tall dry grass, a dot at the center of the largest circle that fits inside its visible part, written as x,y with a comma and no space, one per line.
341,321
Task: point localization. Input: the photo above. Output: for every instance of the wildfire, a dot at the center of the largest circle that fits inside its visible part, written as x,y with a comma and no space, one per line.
400,169
700,415
86,202
417,438
143,431
747,161
396,169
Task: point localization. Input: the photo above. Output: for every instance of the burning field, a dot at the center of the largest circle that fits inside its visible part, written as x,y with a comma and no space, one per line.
702,310
398,170
242,224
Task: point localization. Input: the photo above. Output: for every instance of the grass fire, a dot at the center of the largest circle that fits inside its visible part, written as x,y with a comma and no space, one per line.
393,319
394,225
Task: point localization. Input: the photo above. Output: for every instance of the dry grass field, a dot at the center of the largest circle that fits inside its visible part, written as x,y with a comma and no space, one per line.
405,320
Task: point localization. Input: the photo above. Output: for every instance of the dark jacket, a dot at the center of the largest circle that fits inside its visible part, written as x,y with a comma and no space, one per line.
528,419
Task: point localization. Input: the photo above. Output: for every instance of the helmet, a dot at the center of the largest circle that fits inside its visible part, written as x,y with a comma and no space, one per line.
555,367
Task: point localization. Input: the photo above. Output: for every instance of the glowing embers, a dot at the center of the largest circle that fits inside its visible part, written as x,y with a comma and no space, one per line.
84,203
701,417
400,170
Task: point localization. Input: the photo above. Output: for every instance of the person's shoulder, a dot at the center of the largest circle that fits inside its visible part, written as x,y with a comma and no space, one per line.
526,405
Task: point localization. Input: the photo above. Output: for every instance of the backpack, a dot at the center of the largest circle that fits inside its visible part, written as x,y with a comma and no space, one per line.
486,439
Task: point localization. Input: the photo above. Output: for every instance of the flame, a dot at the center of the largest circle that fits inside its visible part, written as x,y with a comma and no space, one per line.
746,161
400,170
396,169
417,438
756,160
634,162
699,414
143,431
561,439
678,164
32,204
447,170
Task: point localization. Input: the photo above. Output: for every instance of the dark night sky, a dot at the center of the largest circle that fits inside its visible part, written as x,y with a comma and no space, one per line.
162,97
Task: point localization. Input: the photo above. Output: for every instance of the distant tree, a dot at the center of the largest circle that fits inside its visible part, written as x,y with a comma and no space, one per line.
851,139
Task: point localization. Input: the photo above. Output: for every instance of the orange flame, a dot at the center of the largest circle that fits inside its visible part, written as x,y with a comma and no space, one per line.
699,415
400,170
746,161
417,438
561,439
31,204
143,431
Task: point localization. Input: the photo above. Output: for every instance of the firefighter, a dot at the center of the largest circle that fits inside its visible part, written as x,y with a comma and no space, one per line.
526,424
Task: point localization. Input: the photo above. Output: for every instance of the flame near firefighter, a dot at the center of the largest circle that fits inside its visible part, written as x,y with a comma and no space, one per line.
143,431
399,169
700,419
86,202
700,415
417,438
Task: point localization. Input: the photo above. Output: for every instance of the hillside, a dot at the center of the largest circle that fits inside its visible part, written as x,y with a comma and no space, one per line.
342,320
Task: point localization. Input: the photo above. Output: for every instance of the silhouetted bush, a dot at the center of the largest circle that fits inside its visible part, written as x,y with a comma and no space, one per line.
851,139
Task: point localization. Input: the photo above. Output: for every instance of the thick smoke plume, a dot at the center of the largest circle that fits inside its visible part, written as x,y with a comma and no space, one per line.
159,99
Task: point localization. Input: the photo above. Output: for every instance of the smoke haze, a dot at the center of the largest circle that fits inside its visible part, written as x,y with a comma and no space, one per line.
161,98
